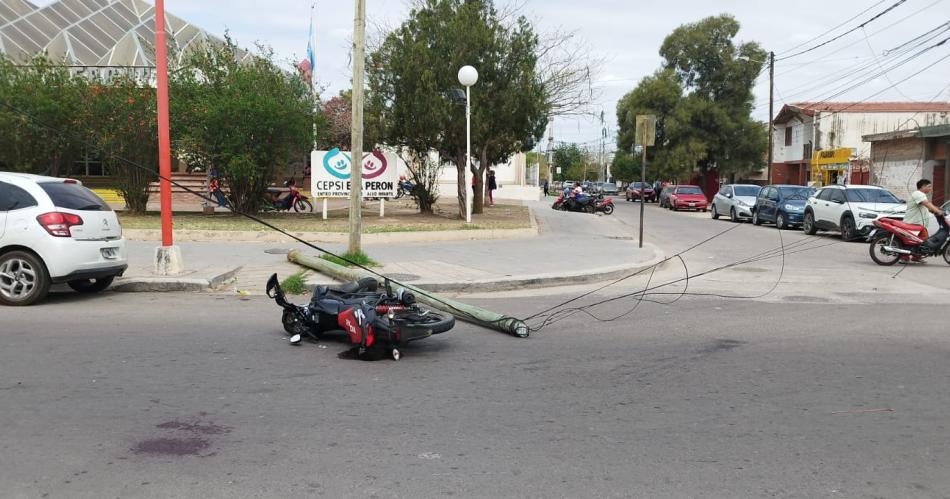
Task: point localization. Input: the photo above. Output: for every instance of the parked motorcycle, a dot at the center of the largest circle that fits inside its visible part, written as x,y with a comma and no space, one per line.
377,322
404,188
892,240
605,205
295,199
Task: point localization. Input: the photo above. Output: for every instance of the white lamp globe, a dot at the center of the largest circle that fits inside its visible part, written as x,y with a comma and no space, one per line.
468,76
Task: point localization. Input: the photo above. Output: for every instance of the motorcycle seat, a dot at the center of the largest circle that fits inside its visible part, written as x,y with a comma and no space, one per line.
906,226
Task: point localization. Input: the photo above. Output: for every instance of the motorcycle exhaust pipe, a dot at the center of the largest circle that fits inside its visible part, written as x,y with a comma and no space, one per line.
899,251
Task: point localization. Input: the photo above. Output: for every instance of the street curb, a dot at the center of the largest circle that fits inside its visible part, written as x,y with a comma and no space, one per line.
205,236
173,284
592,276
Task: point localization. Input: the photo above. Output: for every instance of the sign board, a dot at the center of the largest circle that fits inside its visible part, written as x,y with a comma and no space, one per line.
646,129
331,174
559,170
833,159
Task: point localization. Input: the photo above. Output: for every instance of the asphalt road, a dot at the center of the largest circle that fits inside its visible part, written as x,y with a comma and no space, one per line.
822,388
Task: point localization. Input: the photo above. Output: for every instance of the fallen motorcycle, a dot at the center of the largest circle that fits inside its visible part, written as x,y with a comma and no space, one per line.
377,322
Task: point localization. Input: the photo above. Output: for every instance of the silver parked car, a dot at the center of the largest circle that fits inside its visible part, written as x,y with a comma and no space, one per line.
735,200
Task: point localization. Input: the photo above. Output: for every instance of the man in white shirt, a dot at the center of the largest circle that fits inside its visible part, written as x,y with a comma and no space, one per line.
919,205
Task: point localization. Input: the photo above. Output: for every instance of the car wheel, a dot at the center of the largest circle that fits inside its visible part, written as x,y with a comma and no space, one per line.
780,222
715,213
848,229
808,224
755,218
24,280
90,286
734,216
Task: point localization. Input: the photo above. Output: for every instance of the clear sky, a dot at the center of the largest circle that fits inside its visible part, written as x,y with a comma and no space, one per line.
628,34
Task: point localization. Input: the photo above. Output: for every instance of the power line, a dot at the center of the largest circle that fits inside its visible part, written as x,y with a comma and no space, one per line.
846,33
859,14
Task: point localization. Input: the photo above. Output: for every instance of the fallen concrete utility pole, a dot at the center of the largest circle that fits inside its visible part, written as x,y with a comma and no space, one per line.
461,311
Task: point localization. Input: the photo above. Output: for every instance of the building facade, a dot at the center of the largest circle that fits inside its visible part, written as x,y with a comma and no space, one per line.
899,159
805,130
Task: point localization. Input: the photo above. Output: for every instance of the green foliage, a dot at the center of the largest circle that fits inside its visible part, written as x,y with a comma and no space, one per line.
247,118
41,116
570,159
702,97
358,258
295,284
415,70
123,124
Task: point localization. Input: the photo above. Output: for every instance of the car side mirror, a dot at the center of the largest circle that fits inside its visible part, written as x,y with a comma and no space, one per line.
729,196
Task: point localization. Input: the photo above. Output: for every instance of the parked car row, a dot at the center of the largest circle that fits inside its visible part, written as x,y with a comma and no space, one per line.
848,209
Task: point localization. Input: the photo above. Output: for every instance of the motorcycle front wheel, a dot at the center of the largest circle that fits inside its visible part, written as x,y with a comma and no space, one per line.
946,254
302,205
609,209
882,257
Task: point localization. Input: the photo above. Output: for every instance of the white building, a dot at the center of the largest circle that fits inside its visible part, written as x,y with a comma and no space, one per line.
803,129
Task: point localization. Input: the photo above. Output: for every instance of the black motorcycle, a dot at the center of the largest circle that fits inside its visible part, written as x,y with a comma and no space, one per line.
375,321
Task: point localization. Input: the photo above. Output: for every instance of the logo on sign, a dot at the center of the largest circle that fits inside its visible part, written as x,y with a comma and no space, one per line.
337,164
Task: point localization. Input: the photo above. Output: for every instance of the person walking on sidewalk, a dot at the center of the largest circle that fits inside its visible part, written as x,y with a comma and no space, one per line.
492,185
546,187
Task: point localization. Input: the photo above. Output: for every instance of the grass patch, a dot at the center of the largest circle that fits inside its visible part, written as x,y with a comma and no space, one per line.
358,257
295,284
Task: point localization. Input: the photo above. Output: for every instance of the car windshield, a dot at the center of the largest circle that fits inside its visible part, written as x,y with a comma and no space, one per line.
637,185
689,190
871,196
747,190
73,197
793,193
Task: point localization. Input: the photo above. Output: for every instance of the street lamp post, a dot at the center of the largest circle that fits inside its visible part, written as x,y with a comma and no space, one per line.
468,76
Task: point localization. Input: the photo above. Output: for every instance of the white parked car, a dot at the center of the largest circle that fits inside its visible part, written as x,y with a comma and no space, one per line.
55,231
735,200
850,209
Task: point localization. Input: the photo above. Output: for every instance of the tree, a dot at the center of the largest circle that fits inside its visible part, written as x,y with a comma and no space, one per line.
570,159
244,116
337,113
122,124
702,97
41,116
414,72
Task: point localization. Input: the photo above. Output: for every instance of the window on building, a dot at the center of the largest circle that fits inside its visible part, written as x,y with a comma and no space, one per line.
89,165
788,136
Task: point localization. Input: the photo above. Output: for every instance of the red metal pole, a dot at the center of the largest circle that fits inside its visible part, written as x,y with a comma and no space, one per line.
164,140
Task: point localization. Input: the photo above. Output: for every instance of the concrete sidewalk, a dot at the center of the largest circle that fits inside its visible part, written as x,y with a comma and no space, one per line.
572,248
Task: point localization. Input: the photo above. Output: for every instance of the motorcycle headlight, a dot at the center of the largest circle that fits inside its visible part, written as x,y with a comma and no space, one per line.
865,214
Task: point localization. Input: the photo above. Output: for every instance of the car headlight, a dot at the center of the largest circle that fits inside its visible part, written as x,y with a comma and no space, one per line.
791,207
742,203
864,214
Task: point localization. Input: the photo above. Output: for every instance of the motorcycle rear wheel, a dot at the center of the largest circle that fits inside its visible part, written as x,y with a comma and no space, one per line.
946,254
433,321
609,209
876,249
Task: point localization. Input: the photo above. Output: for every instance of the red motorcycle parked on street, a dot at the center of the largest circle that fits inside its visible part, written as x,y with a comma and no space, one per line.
893,240
282,200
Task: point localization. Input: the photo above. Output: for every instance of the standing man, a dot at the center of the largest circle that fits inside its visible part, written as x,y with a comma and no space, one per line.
546,187
492,185
918,208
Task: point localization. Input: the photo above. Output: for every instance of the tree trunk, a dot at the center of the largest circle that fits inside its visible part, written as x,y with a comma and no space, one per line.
460,166
479,202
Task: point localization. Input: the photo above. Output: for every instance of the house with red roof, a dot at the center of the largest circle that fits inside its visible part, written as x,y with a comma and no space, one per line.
804,131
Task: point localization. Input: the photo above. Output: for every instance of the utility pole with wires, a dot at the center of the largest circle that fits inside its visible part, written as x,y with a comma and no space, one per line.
603,138
356,131
771,114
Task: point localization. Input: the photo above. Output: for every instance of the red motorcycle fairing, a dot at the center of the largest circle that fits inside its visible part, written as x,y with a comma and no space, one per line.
353,321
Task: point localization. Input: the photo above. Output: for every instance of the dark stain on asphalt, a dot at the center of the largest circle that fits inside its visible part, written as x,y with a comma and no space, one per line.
204,429
721,345
172,446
